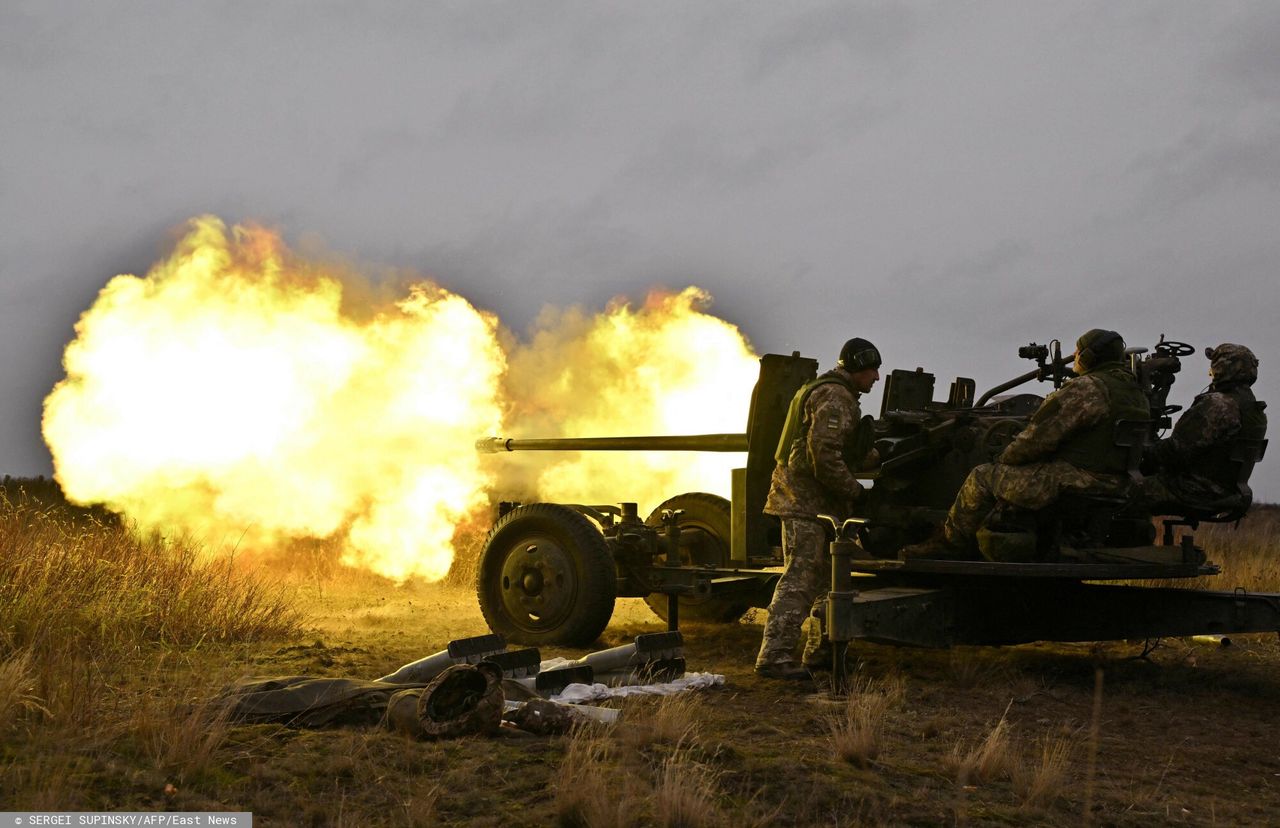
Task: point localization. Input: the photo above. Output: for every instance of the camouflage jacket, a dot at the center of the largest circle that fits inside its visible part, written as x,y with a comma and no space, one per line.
1199,448
815,480
1084,403
1212,420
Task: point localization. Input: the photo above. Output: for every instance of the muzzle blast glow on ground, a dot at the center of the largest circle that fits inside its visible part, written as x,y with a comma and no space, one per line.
244,394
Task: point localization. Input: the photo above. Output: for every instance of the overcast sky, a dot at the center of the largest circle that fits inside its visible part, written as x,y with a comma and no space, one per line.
950,180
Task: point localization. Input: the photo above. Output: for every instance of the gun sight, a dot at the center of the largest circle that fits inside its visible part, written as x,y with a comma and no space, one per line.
1033,351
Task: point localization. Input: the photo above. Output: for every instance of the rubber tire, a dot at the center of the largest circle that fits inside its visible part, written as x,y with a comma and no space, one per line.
714,515
592,577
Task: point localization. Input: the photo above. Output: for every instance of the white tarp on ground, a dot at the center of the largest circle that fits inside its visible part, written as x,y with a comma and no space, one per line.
582,693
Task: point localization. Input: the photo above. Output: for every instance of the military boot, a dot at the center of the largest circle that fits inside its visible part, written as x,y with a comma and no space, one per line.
785,670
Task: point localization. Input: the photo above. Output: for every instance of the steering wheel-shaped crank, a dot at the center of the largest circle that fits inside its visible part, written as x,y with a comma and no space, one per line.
1173,348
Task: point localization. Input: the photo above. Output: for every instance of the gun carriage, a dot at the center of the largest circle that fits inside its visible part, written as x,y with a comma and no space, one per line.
549,573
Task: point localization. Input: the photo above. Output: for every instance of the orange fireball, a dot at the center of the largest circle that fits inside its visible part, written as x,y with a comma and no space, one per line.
245,395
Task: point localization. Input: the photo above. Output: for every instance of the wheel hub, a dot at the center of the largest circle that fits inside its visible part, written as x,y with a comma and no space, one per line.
537,583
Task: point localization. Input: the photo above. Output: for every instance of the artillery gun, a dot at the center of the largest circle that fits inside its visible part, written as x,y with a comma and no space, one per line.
549,573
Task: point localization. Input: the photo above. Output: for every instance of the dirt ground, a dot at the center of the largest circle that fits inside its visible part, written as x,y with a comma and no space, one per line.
1184,733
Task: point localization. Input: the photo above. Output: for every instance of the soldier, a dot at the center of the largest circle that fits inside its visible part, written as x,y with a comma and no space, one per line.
813,477
1195,471
1069,446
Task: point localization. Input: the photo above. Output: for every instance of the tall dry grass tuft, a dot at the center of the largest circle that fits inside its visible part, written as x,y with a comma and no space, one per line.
1042,780
419,807
182,738
70,688
666,720
970,667
39,780
988,760
656,777
858,730
84,602
17,686
686,793
72,582
583,796
677,719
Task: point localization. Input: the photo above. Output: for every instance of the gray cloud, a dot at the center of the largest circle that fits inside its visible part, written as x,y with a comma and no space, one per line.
951,180
991,263
1207,161
688,159
858,31
1250,57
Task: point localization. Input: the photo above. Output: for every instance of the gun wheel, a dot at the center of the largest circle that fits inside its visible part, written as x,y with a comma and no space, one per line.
704,540
546,577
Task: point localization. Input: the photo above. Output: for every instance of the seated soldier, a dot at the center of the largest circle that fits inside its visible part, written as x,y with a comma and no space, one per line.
1069,446
1195,472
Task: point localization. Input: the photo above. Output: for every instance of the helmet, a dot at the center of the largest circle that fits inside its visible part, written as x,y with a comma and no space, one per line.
1232,363
858,354
1098,346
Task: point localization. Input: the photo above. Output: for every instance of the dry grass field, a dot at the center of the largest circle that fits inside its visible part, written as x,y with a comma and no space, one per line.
110,647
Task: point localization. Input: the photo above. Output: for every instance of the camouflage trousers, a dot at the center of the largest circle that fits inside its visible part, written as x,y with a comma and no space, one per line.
1032,486
805,578
1175,494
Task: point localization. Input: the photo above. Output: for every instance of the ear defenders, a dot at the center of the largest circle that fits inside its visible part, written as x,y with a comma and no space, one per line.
858,354
869,358
1101,346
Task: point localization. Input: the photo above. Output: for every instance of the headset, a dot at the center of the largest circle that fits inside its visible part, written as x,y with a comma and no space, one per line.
866,358
1094,350
866,355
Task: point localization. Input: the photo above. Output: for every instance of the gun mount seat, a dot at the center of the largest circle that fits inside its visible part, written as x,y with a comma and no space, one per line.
1245,454
1077,519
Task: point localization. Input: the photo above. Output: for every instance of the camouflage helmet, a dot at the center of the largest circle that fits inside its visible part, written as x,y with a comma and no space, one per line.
1232,363
1099,345
859,354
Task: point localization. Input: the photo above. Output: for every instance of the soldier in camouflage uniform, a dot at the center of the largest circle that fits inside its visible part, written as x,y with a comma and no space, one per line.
1195,470
1069,446
813,477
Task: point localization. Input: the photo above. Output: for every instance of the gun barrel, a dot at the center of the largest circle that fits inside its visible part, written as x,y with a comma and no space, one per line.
1037,374
683,442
